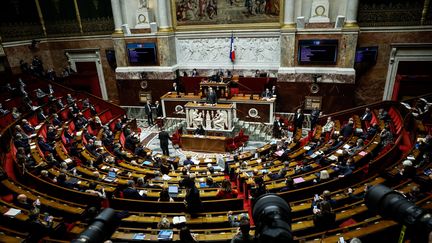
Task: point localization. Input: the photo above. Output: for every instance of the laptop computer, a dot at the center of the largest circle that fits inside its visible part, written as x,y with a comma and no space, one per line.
173,191
111,176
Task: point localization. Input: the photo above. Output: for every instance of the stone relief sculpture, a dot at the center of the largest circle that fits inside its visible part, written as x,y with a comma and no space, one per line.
220,120
197,118
213,51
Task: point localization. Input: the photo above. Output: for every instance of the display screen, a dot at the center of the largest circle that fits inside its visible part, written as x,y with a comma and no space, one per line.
142,53
366,54
317,51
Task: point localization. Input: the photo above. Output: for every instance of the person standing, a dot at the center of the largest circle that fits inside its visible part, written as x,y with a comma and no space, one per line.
149,113
164,138
315,114
211,97
298,120
158,109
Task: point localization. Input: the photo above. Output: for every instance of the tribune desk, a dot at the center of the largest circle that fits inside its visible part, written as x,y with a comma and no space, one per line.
212,144
249,108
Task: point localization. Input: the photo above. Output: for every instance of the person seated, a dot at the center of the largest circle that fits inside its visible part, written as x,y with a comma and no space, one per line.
2,110
49,158
118,152
131,142
210,183
92,189
345,168
289,185
51,135
15,113
22,201
328,127
324,218
188,161
266,94
383,115
347,130
44,175
91,146
44,146
118,125
69,99
41,116
199,131
408,170
164,196
63,180
22,141
194,73
386,136
226,191
56,120
359,146
243,234
130,192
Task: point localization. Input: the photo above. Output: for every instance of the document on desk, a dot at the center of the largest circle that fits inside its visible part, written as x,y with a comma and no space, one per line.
12,212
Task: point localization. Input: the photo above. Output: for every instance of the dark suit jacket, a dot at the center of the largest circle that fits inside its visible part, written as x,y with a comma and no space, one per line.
298,120
131,193
148,109
367,116
164,137
347,130
159,112
211,98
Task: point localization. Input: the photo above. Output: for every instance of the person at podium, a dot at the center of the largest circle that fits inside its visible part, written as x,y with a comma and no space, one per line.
199,131
211,97
267,94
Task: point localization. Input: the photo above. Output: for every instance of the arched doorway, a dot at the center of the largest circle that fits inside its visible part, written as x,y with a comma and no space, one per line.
88,65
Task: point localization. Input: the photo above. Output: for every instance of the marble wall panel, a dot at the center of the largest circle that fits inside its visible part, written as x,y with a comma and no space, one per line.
288,45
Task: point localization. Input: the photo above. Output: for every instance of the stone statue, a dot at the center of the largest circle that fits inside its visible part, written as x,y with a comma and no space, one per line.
143,4
197,118
220,120
208,120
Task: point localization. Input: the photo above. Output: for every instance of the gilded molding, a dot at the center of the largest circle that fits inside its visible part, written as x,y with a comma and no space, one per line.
41,19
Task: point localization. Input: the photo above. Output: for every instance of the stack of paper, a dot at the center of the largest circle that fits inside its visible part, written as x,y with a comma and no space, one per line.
12,212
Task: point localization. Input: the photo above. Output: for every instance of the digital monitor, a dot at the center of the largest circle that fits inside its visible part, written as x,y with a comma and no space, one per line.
366,54
142,53
317,51
112,174
173,189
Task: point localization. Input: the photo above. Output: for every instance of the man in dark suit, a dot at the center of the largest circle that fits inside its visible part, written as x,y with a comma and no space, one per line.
298,120
315,113
158,109
367,117
277,127
348,129
199,130
149,113
211,97
164,138
267,94
131,192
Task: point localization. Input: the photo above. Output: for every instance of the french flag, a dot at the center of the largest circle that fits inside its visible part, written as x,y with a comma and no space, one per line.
232,50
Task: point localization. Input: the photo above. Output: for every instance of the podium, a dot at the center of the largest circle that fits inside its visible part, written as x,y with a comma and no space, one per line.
221,88
217,118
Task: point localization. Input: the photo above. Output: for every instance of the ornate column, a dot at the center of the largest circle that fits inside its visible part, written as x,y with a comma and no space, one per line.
289,21
351,13
115,5
164,12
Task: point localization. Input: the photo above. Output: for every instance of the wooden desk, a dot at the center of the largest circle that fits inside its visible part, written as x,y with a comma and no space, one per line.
262,109
203,143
